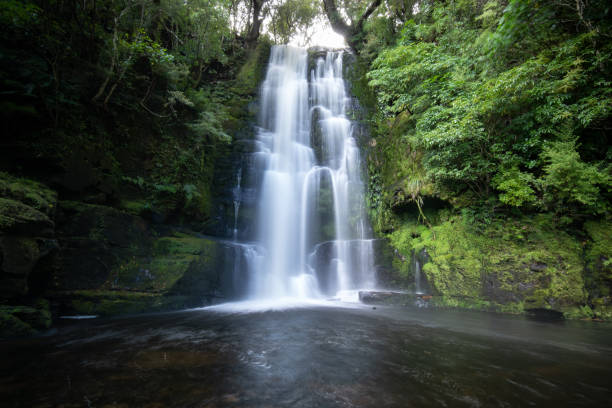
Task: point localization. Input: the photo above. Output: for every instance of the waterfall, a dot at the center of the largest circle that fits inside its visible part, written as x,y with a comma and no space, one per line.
311,220
237,198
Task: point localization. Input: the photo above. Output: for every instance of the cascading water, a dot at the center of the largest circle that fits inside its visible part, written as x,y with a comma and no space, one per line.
237,198
311,222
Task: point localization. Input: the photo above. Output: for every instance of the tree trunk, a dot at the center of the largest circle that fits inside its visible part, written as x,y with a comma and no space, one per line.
256,21
352,33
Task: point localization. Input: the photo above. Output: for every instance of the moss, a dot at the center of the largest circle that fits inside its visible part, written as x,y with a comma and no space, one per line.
598,256
28,192
579,312
21,218
453,302
172,257
158,274
251,73
598,273
11,326
17,321
112,303
135,207
508,265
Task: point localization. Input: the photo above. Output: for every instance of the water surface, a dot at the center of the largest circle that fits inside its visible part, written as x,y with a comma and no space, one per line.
311,356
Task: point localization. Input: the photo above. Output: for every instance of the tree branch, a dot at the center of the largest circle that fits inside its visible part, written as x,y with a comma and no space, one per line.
371,8
350,32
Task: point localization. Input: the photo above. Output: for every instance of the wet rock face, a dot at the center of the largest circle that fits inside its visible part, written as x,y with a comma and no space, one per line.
19,256
95,259
95,238
130,267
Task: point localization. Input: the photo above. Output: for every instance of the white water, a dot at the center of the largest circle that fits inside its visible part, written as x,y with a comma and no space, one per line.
311,224
237,196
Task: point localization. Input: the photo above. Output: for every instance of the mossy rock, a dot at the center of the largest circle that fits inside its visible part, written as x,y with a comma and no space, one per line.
172,258
598,274
17,218
94,240
105,251
29,192
18,321
181,244
599,255
251,73
158,274
102,223
113,303
136,207
509,265
12,326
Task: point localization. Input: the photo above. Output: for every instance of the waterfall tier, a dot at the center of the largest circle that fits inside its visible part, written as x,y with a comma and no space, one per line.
312,231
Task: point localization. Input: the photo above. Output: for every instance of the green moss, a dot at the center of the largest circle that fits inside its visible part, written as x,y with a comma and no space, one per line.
251,73
29,192
508,265
17,321
452,302
135,207
15,215
598,256
598,273
11,326
181,244
579,312
172,258
112,303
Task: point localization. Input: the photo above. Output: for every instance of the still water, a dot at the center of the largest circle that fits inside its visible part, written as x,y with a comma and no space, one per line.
311,356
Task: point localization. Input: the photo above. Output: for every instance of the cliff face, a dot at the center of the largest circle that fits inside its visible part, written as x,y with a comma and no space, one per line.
516,265
66,257
136,218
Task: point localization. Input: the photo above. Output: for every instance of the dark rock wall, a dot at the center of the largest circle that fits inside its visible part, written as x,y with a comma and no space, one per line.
73,247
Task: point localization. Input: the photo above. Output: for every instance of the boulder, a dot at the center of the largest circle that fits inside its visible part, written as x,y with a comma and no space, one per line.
17,321
17,218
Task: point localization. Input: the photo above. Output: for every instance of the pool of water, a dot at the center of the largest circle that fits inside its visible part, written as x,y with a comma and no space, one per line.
311,355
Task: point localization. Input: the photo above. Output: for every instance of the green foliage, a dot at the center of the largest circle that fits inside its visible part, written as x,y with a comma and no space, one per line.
569,181
142,45
99,93
515,186
29,192
291,17
18,13
488,104
112,303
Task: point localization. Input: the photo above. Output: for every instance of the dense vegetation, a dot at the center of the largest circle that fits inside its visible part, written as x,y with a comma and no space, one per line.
505,105
117,118
489,156
108,95
494,117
